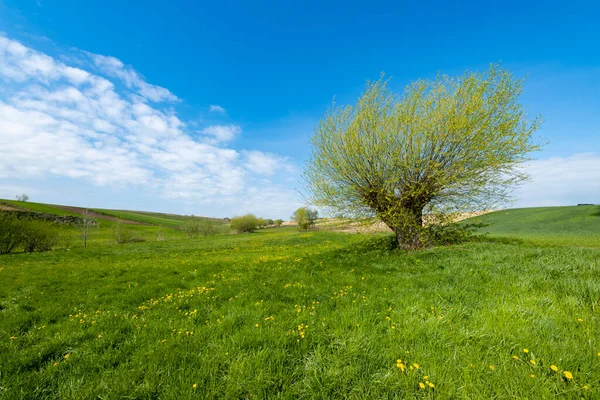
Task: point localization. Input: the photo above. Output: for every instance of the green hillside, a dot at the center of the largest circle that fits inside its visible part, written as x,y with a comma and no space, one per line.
37,207
143,217
572,225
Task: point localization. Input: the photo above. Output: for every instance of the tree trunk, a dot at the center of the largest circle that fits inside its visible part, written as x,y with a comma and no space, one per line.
408,228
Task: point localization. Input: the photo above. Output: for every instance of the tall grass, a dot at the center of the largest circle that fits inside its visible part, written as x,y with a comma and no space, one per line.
283,314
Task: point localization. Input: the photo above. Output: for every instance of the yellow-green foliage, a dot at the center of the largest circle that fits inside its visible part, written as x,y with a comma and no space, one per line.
447,145
245,223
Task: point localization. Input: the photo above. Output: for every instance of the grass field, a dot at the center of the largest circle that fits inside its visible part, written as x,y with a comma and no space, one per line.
284,314
37,207
570,226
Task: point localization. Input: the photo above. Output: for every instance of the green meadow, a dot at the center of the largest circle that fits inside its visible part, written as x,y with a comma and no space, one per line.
320,315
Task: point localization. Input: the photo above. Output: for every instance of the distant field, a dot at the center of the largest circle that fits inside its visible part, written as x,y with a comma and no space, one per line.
573,226
320,315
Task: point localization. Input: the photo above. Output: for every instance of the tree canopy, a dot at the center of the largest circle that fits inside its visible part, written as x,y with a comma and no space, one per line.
446,145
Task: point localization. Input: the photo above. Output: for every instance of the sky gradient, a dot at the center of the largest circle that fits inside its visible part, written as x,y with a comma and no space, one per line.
207,108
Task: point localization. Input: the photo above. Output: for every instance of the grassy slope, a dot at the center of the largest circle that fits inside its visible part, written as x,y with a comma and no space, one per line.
150,320
38,207
573,226
143,218
159,219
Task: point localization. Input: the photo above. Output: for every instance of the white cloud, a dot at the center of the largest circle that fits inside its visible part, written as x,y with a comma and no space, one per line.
222,133
65,122
264,163
116,68
561,181
217,109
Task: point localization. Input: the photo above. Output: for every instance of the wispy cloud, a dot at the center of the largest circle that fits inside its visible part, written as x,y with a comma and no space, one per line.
217,109
221,133
561,181
111,130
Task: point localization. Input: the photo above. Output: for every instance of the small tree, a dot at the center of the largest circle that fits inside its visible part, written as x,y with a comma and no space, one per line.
86,224
245,223
305,218
269,222
278,222
123,233
22,197
443,146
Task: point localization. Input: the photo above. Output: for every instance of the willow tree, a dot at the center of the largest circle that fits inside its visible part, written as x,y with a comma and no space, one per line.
447,145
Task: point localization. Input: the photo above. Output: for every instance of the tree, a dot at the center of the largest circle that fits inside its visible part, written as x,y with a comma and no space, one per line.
22,197
261,222
87,222
278,222
305,218
443,146
244,223
270,222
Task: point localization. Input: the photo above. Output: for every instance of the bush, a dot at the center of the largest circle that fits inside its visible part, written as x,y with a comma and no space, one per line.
199,227
451,233
124,234
245,223
305,218
11,234
278,222
39,236
30,235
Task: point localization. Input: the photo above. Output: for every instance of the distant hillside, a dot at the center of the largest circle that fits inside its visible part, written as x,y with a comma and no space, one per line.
126,216
572,225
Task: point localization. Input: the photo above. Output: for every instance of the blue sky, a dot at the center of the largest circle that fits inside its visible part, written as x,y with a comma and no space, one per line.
269,70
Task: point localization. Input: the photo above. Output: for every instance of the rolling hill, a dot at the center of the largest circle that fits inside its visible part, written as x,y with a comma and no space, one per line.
569,225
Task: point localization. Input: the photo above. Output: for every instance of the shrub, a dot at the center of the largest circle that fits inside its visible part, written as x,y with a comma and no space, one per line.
39,236
245,223
199,227
305,218
451,233
11,234
124,234
278,222
30,235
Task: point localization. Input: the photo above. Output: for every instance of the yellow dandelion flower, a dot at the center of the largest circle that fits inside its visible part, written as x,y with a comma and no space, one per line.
431,385
416,366
411,367
471,366
525,351
515,358
568,375
67,356
532,362
532,376
586,387
56,364
580,319
492,367
195,386
554,368
14,337
421,385
398,361
425,377
257,325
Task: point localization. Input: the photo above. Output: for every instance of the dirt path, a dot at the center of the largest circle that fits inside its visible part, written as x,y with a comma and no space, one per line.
93,214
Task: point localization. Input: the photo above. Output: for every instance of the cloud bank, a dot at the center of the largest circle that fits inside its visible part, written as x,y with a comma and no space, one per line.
101,122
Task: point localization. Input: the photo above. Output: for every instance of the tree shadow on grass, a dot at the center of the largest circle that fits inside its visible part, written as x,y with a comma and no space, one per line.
596,212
